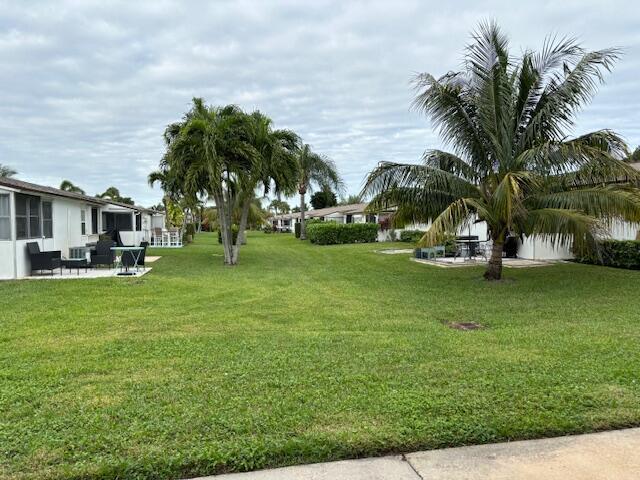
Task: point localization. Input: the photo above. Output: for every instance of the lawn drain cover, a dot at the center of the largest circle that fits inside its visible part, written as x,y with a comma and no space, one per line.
465,325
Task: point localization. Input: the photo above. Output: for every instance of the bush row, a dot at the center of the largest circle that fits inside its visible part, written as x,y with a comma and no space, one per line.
331,233
308,221
411,236
614,253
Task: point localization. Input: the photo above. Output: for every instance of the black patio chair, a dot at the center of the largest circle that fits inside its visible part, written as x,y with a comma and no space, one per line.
103,255
44,260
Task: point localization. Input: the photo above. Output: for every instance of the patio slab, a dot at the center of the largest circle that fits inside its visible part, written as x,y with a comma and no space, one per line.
90,273
450,262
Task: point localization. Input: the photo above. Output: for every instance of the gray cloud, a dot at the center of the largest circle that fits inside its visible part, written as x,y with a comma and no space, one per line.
88,87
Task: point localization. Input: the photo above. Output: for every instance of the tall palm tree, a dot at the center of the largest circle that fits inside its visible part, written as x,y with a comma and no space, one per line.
6,171
68,186
314,170
512,165
208,153
274,168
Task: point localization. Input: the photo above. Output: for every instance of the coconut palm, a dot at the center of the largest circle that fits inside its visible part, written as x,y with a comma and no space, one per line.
314,170
113,193
7,171
68,186
512,164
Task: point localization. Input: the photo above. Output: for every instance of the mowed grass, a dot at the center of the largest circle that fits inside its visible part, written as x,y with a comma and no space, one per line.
304,354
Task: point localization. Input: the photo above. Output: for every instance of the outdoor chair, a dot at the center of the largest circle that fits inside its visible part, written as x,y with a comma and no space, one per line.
103,255
157,239
44,260
143,254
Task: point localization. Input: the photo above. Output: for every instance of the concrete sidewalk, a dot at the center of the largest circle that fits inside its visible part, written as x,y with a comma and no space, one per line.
599,456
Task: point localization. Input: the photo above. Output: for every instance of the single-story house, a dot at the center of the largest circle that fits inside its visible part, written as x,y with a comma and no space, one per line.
58,220
354,213
529,248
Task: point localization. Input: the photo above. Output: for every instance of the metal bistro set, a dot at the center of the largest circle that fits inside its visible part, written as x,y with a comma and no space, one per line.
114,255
469,248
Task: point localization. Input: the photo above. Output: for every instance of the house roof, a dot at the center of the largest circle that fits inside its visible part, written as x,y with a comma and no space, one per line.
351,209
32,187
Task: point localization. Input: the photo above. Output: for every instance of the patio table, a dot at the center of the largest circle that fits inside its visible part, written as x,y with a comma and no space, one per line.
76,263
470,250
136,257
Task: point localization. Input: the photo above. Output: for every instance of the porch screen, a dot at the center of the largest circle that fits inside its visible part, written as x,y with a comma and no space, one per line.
27,216
117,221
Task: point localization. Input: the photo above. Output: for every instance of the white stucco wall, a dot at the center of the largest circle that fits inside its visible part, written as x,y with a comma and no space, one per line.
542,249
66,233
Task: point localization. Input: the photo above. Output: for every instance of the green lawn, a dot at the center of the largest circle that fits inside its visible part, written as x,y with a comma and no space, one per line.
304,354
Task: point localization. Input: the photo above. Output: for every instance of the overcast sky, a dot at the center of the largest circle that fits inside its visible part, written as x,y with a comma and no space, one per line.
88,87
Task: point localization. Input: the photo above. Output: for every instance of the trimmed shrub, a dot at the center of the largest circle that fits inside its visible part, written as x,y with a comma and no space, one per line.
234,234
411,236
331,233
307,222
267,228
614,253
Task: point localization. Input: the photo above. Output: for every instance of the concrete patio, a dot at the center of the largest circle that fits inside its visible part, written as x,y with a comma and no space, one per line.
450,262
597,456
76,274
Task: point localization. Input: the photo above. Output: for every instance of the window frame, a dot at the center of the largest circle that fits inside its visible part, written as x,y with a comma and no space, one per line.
6,217
83,221
94,220
28,216
46,221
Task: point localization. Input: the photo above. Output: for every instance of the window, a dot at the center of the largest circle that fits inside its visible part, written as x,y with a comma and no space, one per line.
116,221
47,220
27,216
138,222
371,218
5,217
349,218
83,222
94,221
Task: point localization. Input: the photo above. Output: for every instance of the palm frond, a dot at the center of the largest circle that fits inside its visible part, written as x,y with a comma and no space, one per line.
455,217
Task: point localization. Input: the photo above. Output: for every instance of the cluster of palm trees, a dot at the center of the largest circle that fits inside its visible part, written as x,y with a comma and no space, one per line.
512,164
230,156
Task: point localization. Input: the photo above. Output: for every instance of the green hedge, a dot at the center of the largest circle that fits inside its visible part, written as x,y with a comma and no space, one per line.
411,236
615,253
307,222
331,233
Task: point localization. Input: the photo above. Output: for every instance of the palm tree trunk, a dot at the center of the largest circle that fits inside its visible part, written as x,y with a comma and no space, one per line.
494,269
303,229
224,228
243,225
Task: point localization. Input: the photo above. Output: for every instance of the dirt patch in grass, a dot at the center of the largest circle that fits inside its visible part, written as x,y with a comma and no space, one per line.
464,325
